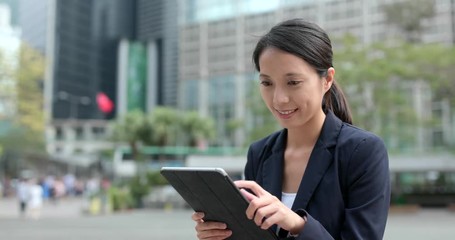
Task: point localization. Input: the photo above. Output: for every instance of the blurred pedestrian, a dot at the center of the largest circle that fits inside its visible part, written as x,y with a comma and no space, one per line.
23,195
104,194
35,201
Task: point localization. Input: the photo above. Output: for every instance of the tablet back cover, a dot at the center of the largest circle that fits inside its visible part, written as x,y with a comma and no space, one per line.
212,191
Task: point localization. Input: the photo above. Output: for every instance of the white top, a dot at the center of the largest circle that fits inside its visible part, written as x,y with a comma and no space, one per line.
36,196
288,199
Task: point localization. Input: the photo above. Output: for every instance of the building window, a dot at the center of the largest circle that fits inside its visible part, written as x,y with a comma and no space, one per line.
58,133
438,139
98,132
79,133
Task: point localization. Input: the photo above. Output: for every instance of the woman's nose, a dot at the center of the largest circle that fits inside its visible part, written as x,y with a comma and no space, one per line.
280,96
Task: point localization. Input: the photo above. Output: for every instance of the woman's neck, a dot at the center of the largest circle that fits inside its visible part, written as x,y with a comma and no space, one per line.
306,136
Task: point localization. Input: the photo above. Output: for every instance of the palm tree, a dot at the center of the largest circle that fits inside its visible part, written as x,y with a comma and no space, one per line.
133,129
164,122
197,128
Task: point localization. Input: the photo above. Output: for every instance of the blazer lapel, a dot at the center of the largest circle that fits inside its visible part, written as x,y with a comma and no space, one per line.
320,160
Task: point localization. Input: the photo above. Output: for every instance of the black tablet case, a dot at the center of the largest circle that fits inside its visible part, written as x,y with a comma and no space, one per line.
211,191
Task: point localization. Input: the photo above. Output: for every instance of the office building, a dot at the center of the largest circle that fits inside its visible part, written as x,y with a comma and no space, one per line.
149,62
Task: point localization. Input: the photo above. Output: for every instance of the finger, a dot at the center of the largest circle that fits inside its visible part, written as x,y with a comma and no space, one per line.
214,234
197,216
263,213
260,203
207,226
269,221
253,186
250,197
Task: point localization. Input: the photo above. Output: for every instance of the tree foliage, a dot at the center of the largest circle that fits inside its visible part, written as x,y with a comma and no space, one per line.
197,128
131,128
23,127
408,16
162,127
30,76
378,80
27,122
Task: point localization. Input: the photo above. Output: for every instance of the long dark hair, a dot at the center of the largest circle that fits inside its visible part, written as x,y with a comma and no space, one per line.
309,42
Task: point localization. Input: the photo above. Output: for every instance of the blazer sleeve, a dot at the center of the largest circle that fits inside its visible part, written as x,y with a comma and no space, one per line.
368,195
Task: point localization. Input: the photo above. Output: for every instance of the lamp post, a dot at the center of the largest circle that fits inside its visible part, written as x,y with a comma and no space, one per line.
74,101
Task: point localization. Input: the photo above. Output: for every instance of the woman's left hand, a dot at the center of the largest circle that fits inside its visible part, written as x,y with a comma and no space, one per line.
267,210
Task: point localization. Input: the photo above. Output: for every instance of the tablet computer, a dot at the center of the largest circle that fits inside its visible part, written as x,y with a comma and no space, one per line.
211,190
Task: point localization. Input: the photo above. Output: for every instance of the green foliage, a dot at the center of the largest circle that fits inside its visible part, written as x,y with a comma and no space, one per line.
120,199
156,179
29,77
408,15
22,130
196,128
140,186
133,129
165,123
378,81
162,127
129,127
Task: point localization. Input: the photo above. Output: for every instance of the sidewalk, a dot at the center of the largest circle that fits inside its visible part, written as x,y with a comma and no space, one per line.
65,208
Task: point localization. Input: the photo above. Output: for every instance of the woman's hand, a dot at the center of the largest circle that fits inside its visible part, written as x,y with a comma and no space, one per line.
267,210
210,230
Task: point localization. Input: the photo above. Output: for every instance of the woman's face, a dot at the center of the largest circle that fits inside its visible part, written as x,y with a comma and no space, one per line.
291,88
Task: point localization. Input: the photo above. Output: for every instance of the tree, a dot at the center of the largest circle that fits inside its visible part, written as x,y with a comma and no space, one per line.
165,123
29,76
131,128
197,128
408,15
22,84
377,77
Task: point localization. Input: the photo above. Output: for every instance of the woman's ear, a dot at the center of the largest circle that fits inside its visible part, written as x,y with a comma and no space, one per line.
328,80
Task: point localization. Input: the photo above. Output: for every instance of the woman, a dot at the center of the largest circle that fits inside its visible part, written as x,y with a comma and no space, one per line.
319,177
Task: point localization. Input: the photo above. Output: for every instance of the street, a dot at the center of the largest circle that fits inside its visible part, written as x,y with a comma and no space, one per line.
65,221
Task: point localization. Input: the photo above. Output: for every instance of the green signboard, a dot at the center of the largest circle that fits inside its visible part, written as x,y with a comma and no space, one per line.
137,77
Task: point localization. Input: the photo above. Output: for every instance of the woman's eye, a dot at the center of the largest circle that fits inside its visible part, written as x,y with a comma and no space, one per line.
265,83
293,83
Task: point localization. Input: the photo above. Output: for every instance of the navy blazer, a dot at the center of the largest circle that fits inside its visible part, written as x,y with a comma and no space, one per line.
345,190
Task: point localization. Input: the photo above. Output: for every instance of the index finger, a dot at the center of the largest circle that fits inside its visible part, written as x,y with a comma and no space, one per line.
197,216
253,186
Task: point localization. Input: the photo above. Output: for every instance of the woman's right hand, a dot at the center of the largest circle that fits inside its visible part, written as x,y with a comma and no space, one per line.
210,230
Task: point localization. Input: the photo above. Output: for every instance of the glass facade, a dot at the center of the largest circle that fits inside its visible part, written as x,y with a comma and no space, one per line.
190,94
213,10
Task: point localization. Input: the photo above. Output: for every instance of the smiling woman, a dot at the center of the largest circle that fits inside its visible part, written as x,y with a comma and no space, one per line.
319,177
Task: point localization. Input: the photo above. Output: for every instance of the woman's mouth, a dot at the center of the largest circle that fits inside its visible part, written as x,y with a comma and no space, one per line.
286,113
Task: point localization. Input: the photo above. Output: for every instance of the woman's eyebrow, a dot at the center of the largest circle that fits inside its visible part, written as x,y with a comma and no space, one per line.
262,75
287,75
294,75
